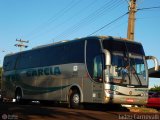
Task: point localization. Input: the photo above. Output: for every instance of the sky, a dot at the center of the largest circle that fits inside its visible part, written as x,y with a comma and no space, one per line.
46,21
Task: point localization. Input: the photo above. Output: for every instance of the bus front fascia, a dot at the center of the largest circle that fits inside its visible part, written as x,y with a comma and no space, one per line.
155,60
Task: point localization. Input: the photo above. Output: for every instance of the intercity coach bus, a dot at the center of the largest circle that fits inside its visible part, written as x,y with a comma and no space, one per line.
98,69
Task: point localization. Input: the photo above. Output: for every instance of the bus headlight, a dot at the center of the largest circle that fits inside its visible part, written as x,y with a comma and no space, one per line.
111,92
142,94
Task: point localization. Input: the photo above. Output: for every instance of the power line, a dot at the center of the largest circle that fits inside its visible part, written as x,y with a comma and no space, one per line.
148,8
87,20
121,17
94,15
109,23
126,1
148,17
116,26
82,23
70,17
94,18
63,11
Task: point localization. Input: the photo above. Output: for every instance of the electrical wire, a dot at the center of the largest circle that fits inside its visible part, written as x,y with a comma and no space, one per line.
108,6
70,17
92,20
151,17
87,20
121,17
63,11
148,8
109,23
92,17
127,1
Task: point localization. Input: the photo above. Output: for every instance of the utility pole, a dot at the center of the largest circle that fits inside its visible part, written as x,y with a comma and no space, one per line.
131,19
21,44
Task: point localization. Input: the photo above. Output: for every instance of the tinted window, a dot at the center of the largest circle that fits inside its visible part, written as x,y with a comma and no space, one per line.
98,68
29,59
9,62
93,49
71,52
135,48
115,45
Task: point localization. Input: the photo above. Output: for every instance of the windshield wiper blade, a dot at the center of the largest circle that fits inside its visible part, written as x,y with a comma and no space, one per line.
136,76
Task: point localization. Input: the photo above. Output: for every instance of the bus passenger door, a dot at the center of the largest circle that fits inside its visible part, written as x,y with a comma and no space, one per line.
94,61
98,79
97,94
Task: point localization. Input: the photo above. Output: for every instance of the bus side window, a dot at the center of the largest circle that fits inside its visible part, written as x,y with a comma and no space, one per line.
97,68
6,66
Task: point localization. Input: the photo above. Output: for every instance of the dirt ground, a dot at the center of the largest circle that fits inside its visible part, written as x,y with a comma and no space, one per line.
12,111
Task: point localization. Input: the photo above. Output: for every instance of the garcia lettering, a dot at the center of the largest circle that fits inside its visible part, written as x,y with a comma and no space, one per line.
43,71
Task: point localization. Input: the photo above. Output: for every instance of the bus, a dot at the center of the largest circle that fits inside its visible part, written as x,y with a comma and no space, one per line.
95,69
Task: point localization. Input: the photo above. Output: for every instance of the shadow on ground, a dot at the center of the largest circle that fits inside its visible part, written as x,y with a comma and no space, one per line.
55,111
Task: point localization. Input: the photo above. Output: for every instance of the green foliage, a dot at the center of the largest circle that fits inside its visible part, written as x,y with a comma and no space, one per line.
156,88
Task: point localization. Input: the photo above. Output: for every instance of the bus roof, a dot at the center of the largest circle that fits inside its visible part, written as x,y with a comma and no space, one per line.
76,40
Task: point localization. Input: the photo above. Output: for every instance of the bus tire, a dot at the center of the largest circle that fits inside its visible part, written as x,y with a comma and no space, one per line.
74,101
18,96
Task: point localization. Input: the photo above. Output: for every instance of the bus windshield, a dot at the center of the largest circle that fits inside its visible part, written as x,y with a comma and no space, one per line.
128,71
128,65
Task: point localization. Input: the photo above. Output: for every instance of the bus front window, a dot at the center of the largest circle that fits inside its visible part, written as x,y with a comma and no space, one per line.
119,71
139,71
127,70
128,66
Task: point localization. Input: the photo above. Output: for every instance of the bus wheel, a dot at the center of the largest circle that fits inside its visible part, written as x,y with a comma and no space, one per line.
74,99
18,96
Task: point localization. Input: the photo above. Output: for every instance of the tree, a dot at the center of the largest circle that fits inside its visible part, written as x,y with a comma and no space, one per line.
156,88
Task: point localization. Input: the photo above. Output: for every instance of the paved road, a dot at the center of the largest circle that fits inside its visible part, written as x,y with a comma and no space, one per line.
13,111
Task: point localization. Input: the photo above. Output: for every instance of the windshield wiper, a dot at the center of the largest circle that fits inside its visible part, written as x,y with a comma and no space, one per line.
136,75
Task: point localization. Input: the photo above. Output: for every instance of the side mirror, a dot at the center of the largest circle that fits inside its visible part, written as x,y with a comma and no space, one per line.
156,63
107,57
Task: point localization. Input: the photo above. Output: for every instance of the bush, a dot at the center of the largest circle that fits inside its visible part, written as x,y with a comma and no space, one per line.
156,88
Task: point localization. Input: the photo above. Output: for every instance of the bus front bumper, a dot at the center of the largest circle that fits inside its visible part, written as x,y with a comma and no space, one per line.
129,100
